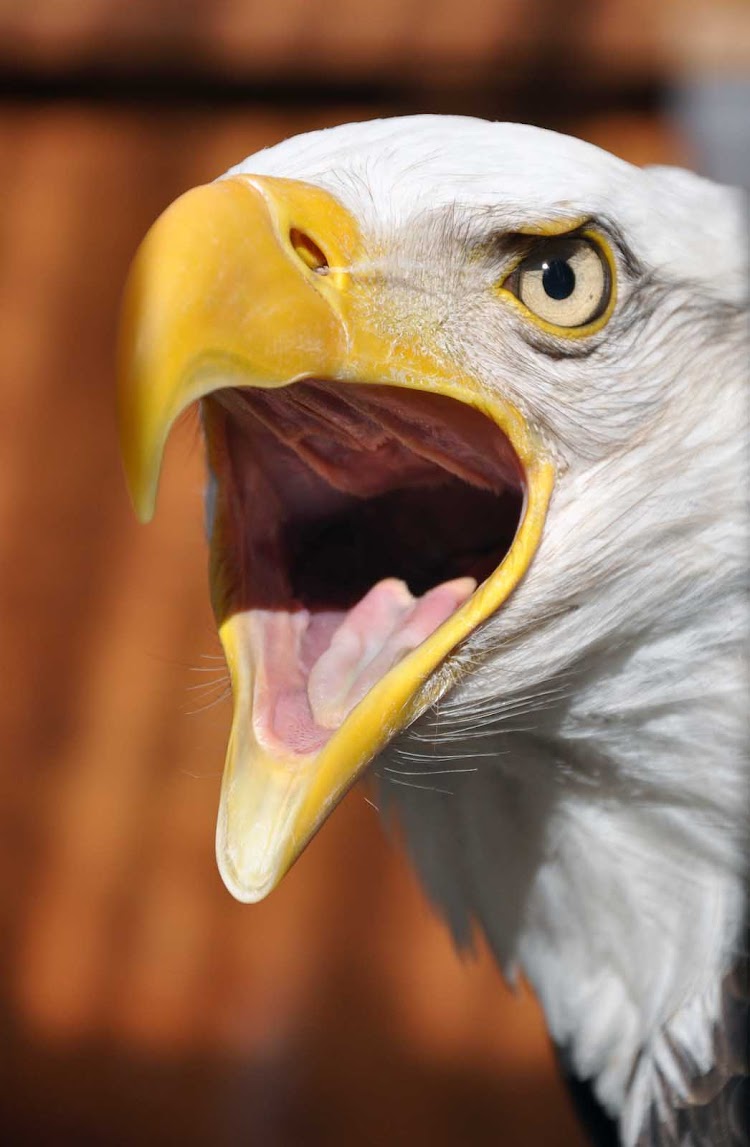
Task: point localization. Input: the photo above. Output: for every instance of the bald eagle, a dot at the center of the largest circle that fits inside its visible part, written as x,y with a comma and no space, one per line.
474,398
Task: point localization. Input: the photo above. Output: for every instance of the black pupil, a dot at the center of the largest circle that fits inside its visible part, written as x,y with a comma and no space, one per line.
559,279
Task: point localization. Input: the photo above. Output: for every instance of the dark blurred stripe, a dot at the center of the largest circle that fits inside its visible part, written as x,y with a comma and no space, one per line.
534,96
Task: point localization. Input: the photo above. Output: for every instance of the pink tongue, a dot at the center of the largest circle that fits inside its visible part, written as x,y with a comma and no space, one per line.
312,669
379,631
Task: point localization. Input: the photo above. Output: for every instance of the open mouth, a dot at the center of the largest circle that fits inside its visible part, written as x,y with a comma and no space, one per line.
352,521
361,531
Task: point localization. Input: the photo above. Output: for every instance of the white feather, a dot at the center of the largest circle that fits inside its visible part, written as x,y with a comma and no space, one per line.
597,826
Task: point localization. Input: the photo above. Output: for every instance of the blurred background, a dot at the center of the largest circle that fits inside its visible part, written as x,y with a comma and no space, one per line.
138,1002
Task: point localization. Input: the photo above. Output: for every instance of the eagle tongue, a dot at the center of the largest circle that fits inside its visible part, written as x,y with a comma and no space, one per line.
311,669
376,633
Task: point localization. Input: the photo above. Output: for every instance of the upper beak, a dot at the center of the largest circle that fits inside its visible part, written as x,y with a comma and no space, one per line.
251,281
219,295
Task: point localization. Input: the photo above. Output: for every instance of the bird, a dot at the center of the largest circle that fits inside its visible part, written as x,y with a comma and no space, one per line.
474,398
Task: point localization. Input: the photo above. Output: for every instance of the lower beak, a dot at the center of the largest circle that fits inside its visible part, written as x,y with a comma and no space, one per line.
252,282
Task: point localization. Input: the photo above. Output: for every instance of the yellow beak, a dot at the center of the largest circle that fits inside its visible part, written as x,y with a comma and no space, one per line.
252,282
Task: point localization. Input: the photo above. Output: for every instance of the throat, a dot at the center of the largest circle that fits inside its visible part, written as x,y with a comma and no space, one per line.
629,992
624,930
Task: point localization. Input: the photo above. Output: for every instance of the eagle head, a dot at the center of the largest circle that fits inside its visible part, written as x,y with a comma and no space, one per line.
473,397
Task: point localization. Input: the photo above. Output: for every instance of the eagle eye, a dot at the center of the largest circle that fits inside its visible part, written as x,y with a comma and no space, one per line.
566,282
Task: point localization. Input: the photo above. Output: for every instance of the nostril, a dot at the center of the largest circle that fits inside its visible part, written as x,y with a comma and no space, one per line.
308,251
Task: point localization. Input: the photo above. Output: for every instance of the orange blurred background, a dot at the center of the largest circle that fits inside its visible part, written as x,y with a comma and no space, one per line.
138,1002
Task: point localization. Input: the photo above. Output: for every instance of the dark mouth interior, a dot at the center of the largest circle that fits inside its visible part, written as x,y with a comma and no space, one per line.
420,536
329,488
